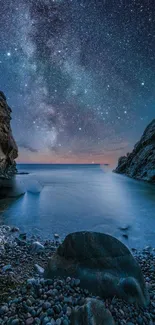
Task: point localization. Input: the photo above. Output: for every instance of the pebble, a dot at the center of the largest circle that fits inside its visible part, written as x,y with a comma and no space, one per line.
39,269
29,321
56,236
69,311
7,268
46,305
37,247
4,310
22,236
14,229
50,302
15,322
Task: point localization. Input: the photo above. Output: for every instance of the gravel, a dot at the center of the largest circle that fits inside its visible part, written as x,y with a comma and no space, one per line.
26,298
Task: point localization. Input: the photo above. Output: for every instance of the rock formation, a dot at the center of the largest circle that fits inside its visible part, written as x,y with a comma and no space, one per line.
103,264
8,147
140,163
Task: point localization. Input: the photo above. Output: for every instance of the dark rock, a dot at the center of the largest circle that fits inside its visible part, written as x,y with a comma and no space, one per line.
22,173
92,313
125,236
140,163
15,322
8,147
103,264
8,154
22,236
14,229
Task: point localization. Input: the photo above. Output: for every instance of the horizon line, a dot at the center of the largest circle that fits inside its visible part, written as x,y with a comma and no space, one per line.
25,163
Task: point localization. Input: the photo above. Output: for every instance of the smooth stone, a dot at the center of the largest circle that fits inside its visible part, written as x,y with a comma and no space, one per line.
52,322
65,322
7,268
50,312
56,236
58,321
37,247
140,321
46,305
3,310
77,282
15,322
45,320
37,321
104,265
31,281
29,321
93,312
39,269
68,311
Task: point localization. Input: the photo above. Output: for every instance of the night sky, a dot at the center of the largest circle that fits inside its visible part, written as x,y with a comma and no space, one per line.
79,76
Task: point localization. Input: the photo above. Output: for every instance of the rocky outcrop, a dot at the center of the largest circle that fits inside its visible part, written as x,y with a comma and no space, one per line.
140,163
8,147
103,264
93,312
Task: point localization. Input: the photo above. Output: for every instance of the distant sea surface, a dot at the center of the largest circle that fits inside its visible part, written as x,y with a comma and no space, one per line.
67,198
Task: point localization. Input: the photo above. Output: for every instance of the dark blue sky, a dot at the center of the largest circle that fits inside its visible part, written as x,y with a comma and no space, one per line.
79,76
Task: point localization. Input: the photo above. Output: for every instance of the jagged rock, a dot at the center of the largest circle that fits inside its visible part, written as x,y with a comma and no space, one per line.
103,264
93,312
8,154
8,147
140,163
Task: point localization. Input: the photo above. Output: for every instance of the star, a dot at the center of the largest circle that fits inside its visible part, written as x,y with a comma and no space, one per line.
78,75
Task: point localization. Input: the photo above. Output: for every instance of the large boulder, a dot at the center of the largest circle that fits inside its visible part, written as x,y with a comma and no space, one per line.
140,163
104,265
93,312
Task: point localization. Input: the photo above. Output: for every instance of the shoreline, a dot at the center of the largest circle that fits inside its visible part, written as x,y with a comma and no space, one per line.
21,273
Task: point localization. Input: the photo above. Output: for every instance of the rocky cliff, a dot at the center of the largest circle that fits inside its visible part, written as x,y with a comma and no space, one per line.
140,163
8,147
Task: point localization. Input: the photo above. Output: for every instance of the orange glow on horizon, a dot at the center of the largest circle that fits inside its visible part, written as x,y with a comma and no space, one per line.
40,158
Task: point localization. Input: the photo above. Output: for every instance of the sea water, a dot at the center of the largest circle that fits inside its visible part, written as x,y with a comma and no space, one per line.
68,198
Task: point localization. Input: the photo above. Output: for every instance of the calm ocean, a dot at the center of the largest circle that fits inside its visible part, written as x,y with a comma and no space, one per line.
66,198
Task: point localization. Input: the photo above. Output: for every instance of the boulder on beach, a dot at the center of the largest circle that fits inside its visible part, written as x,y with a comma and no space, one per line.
103,264
93,312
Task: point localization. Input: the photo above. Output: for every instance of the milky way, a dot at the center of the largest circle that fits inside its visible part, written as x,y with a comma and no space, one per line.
79,76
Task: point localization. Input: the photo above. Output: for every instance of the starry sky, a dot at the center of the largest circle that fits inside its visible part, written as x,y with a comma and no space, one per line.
79,76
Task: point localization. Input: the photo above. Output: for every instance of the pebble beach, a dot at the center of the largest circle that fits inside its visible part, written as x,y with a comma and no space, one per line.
26,298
